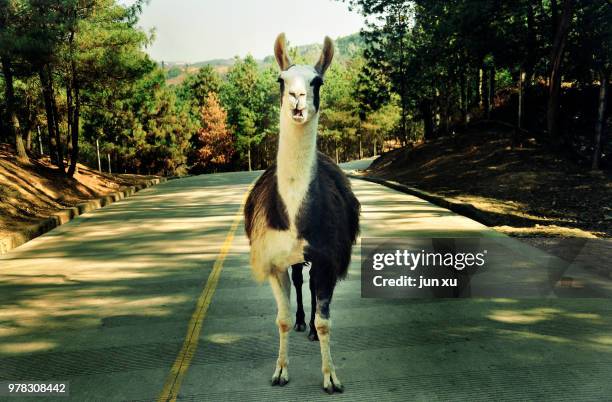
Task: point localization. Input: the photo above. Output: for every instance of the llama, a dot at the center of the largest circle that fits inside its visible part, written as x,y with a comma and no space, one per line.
302,210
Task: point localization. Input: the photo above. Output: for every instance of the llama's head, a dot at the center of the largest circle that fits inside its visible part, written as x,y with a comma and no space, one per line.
300,84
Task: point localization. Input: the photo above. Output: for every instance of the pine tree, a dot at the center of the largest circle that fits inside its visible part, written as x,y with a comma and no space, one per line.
213,141
9,49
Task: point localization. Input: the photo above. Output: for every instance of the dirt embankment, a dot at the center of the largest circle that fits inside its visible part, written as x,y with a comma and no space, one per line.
31,192
524,190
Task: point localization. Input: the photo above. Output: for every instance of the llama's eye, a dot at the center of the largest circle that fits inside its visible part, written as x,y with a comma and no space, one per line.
316,82
282,88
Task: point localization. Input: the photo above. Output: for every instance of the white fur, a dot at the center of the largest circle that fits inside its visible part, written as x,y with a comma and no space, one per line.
275,250
323,326
281,287
297,147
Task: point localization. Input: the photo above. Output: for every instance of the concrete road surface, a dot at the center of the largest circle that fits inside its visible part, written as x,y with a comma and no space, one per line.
152,298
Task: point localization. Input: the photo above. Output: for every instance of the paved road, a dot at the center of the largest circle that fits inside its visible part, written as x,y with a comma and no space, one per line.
152,296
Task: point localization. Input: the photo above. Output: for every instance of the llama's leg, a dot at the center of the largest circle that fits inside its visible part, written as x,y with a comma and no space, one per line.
312,334
298,279
331,383
281,286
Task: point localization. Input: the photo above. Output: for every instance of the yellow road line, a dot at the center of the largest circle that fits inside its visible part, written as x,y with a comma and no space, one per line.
179,369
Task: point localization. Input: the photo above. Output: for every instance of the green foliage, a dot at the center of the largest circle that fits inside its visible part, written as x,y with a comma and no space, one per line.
165,126
147,132
338,123
445,60
173,72
251,98
195,88
81,76
381,123
504,79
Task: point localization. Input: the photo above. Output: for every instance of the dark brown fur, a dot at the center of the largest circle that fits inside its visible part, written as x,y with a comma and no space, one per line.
265,197
328,219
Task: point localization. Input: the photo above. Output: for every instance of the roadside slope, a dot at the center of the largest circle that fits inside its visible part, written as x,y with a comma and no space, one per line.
524,190
32,192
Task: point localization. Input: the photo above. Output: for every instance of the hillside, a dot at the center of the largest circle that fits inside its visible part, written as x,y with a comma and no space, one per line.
346,48
523,191
31,192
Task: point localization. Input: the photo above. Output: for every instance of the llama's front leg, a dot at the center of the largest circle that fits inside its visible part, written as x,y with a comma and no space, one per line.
281,286
331,383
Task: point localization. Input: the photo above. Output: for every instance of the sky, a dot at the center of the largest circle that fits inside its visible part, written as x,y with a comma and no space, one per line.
197,30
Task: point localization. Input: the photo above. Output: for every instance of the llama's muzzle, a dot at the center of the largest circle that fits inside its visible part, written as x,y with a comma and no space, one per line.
298,114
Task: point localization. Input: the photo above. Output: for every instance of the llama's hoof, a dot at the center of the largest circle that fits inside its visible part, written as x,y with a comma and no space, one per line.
300,326
280,377
312,335
279,381
330,386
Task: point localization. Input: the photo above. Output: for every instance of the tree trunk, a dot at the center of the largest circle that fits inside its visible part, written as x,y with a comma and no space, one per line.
554,90
69,99
521,99
337,159
3,131
10,109
463,97
484,90
74,131
54,120
74,106
49,112
58,137
554,18
404,111
526,72
69,112
481,88
28,140
428,125
468,97
443,101
601,118
249,156
491,92
98,154
39,140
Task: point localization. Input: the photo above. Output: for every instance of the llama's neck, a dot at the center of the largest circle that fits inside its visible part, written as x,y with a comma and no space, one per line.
296,162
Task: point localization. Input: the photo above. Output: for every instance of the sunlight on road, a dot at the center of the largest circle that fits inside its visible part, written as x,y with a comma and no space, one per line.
106,300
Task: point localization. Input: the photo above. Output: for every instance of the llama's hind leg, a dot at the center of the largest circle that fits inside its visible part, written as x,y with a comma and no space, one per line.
324,293
298,280
281,287
312,334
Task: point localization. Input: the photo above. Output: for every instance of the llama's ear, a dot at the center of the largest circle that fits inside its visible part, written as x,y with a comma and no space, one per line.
280,52
326,56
